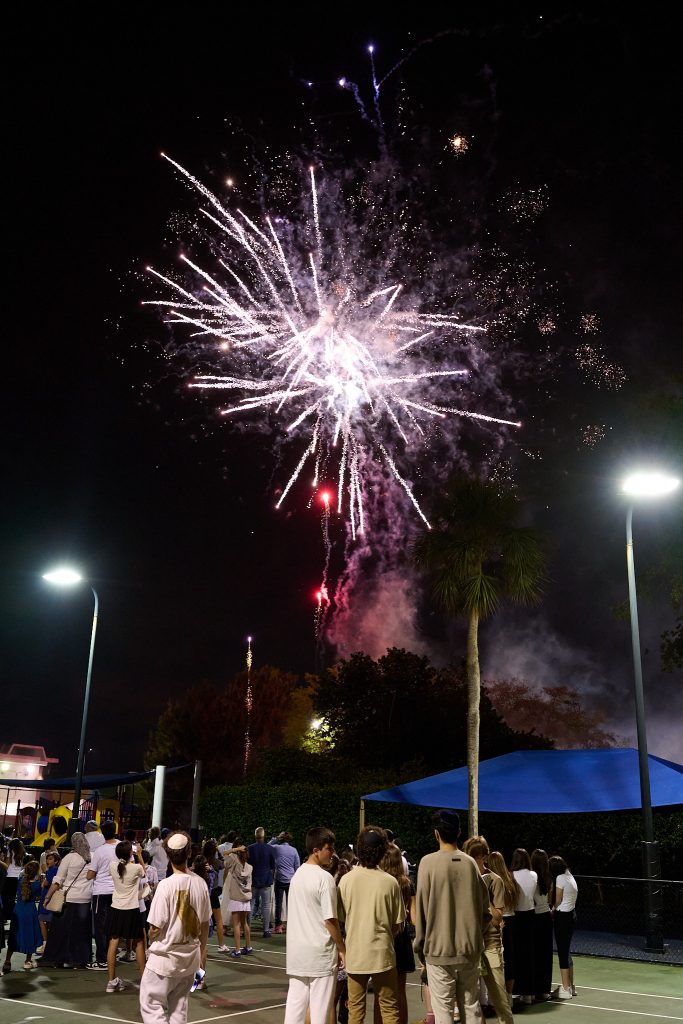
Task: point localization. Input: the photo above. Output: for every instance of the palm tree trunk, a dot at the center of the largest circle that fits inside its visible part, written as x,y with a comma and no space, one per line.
473,698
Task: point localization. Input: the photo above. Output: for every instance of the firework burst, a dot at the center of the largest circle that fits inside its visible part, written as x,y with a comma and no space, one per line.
310,328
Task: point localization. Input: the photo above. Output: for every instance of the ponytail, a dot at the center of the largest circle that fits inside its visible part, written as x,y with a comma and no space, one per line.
123,851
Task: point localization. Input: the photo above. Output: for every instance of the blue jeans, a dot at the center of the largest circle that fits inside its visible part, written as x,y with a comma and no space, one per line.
280,889
261,898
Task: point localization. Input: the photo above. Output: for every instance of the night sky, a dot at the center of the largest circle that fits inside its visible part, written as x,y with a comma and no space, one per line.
111,463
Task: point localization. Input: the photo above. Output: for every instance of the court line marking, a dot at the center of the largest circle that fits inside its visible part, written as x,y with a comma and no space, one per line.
623,992
251,963
612,1009
62,1009
239,1013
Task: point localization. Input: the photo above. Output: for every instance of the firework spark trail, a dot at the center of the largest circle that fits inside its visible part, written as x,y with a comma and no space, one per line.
313,338
322,596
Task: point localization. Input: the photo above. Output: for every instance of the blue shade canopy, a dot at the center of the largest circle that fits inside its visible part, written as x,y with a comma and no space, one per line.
548,782
89,781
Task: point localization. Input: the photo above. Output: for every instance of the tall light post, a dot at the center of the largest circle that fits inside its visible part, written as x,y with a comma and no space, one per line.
642,487
64,577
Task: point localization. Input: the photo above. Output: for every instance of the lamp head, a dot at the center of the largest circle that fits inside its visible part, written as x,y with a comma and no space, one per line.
649,485
63,577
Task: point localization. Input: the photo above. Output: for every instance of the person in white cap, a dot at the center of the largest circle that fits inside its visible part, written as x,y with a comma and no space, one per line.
179,932
93,836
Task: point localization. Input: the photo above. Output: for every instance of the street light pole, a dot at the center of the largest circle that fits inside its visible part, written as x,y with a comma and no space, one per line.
65,577
645,485
84,719
654,939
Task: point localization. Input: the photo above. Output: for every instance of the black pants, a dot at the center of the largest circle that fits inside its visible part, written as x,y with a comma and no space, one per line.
100,908
564,929
523,928
543,952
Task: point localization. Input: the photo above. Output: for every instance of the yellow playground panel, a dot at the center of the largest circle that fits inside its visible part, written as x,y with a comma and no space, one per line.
55,823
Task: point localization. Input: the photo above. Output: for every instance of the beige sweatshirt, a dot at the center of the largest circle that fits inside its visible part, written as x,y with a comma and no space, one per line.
452,909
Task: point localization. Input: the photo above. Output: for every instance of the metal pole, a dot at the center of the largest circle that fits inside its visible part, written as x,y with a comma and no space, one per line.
158,805
651,864
84,722
194,819
361,816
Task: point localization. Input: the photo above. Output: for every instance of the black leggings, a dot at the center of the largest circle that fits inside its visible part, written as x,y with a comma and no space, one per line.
564,929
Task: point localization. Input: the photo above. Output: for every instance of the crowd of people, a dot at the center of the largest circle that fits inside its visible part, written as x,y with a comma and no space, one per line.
480,932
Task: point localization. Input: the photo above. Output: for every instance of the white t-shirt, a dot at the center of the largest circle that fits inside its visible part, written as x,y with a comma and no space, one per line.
567,883
72,875
14,870
103,883
527,881
541,904
175,953
312,900
94,839
126,890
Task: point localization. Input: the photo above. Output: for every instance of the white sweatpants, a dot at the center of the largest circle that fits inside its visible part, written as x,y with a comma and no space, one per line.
450,985
316,993
164,1000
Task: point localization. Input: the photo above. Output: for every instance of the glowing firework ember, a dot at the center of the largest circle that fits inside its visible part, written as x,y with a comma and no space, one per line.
325,338
459,144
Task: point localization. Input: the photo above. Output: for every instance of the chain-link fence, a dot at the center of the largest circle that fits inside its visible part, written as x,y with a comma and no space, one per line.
611,917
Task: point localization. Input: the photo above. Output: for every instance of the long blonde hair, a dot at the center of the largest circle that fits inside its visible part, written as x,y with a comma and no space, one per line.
511,886
392,863
30,874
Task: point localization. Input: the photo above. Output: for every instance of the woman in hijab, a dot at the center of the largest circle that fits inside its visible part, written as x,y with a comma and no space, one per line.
69,941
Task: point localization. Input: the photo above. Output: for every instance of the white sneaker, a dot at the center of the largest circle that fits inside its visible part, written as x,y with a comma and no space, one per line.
223,949
573,990
115,986
564,993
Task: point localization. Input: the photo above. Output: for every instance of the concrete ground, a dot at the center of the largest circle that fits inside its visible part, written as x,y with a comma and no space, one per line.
253,990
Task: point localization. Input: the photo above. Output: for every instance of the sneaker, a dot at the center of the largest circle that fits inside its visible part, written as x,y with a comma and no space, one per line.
115,986
278,930
573,990
527,1000
267,935
235,953
223,949
247,950
96,967
131,957
29,965
41,949
122,957
564,993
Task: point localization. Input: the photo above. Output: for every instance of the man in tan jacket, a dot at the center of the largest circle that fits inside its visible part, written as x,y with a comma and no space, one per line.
452,913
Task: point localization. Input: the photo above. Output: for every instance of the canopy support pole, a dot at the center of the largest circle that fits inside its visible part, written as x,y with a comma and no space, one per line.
158,806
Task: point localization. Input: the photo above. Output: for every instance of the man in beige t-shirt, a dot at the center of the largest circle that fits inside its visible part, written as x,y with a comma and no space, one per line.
371,905
452,913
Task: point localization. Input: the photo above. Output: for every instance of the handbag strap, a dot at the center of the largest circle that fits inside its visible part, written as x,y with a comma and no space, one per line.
75,879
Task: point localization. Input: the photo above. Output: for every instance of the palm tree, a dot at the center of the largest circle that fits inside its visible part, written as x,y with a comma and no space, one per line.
478,557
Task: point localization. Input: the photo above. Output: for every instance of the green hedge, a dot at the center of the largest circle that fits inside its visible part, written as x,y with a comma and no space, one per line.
593,844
